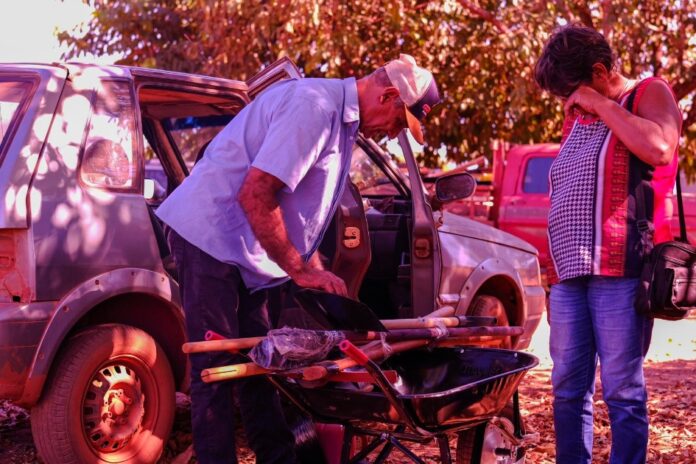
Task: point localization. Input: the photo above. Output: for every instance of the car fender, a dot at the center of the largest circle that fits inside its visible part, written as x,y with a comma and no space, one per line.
484,272
80,301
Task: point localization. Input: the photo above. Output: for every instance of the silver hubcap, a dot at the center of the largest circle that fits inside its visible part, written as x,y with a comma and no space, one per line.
113,407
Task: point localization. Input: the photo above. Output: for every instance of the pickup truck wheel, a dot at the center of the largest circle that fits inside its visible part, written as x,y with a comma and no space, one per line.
109,399
487,305
487,444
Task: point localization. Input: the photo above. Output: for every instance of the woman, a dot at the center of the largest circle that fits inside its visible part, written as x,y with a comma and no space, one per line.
620,137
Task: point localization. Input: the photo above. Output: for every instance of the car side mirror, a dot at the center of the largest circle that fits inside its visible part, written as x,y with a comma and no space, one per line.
455,187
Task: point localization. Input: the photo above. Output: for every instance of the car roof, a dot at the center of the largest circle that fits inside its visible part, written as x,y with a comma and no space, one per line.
148,74
540,148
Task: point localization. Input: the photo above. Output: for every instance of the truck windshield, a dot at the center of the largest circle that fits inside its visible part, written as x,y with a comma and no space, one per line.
13,95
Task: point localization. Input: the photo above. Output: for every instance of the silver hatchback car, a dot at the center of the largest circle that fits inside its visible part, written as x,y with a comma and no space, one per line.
91,326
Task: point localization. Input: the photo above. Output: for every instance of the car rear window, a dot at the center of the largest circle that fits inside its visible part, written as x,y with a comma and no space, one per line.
536,175
13,97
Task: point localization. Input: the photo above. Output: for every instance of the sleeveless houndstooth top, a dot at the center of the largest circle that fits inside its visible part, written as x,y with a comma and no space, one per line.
592,218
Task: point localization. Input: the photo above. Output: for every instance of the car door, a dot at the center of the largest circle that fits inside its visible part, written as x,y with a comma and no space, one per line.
426,261
280,70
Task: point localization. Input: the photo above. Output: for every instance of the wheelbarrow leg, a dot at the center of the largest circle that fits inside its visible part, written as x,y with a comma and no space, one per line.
445,455
373,445
385,452
409,454
389,446
516,416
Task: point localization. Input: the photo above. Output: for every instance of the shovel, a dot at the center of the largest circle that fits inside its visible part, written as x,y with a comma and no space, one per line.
338,312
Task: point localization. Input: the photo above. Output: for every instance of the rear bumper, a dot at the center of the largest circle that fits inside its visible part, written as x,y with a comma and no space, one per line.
21,329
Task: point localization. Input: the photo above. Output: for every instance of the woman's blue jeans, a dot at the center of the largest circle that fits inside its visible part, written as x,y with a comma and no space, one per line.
593,318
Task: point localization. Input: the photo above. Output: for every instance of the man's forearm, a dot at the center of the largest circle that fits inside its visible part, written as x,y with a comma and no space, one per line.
257,196
266,220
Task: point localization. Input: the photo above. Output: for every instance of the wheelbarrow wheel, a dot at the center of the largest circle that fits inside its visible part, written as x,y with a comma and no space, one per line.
487,305
486,444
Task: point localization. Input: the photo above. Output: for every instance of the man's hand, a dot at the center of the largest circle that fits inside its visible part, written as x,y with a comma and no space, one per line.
311,277
257,197
585,99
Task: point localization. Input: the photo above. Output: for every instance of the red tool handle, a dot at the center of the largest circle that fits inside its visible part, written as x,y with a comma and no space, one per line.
353,352
210,335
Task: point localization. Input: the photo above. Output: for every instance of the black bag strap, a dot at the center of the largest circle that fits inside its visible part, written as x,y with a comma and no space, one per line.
680,206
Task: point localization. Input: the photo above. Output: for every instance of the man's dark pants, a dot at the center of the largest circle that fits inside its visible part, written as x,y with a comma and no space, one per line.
215,298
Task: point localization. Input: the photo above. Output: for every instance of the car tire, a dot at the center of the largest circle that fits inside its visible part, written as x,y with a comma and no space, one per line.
109,398
479,444
487,305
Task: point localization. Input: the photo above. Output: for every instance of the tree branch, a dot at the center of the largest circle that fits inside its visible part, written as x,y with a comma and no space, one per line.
583,11
686,84
690,116
609,18
485,15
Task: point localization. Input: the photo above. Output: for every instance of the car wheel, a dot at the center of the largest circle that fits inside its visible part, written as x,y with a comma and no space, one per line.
110,398
487,444
487,305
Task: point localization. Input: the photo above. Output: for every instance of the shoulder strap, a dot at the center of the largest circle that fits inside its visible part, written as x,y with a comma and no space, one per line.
680,206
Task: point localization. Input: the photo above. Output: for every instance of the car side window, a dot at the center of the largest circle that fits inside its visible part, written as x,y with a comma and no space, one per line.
368,177
14,94
536,175
191,134
688,185
109,159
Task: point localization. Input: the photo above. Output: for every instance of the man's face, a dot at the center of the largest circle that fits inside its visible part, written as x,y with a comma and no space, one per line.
387,117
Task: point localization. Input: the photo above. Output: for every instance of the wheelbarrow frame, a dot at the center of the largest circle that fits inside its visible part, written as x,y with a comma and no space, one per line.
407,426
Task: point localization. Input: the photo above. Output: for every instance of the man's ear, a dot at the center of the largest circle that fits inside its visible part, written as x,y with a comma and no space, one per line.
389,93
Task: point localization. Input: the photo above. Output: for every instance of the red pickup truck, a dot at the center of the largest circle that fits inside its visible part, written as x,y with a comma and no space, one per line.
514,196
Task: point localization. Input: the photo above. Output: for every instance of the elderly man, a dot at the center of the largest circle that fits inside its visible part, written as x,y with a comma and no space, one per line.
251,216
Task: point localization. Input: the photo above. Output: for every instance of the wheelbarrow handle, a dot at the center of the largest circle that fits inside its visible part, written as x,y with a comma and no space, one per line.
353,352
382,382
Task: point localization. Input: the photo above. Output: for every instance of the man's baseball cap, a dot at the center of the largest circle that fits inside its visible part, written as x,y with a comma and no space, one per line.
417,88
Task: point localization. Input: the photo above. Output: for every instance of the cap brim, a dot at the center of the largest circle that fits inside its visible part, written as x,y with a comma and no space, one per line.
414,125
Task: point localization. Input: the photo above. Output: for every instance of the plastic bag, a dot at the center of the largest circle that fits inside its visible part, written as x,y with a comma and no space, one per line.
288,348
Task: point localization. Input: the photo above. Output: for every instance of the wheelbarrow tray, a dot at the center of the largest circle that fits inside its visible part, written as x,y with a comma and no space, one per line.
443,390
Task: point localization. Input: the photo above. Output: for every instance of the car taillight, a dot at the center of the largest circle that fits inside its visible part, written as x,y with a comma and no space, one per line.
16,270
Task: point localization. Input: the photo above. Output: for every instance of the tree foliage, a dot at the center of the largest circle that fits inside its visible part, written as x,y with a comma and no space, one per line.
482,52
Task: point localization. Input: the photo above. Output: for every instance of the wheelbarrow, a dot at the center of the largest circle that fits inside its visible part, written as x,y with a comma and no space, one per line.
425,391
440,393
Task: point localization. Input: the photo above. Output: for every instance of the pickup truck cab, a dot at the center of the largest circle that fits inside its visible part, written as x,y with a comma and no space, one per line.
91,325
517,199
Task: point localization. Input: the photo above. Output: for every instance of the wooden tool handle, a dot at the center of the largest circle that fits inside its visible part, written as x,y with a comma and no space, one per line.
421,323
231,372
445,311
232,345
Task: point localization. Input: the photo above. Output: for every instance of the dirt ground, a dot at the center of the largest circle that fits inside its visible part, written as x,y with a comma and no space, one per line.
670,371
672,406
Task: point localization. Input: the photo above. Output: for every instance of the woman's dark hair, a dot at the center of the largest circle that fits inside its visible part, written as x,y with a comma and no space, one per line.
568,57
